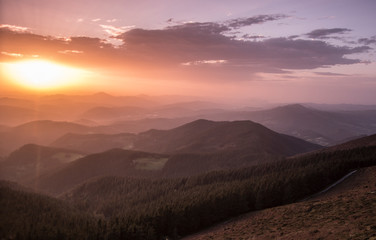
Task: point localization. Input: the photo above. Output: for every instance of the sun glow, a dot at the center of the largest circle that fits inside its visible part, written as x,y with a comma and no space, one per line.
42,75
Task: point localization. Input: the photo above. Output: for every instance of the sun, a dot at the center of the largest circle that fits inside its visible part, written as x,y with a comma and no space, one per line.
42,74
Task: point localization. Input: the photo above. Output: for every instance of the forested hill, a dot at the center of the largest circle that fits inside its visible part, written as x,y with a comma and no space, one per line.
128,208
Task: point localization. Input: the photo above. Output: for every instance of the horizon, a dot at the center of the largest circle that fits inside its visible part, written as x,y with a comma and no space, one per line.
286,52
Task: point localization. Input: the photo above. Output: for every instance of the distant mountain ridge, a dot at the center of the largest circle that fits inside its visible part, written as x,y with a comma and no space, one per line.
191,149
41,132
31,161
200,136
204,136
316,126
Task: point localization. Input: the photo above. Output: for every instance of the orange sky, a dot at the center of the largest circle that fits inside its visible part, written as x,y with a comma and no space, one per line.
281,53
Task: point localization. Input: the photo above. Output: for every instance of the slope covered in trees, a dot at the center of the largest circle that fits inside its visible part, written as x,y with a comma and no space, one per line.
176,207
137,208
28,215
31,160
348,211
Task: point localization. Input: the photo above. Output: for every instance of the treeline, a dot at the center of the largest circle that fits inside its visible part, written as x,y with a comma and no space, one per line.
154,209
127,208
28,215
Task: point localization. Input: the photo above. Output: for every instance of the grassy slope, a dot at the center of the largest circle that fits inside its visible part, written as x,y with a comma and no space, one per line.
346,212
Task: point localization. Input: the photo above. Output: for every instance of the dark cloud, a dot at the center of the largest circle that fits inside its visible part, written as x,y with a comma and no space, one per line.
325,32
201,28
293,36
205,41
253,37
331,74
242,22
167,50
367,41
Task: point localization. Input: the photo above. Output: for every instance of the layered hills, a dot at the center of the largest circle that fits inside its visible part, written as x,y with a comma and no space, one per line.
200,136
144,167
317,126
191,149
31,161
114,205
41,132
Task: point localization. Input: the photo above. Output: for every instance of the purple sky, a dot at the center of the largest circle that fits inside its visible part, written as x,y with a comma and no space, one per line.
281,50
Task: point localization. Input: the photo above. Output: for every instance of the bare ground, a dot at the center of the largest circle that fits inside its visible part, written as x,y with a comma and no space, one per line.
347,211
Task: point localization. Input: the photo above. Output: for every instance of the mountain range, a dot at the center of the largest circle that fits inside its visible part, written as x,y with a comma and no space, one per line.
167,182
317,126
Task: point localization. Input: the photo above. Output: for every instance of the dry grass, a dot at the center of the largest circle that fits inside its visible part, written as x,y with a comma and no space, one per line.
346,212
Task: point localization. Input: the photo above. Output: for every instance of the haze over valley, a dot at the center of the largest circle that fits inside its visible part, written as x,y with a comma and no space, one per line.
187,120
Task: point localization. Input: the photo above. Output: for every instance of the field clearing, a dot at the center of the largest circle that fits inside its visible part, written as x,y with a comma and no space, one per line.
67,157
151,164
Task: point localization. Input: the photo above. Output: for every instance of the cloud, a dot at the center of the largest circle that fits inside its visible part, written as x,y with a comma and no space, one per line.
200,41
367,41
213,62
253,37
184,50
221,27
71,52
14,28
331,74
325,32
243,22
17,55
96,20
115,31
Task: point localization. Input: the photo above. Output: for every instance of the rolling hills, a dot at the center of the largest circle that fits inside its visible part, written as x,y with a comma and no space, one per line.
115,162
200,136
41,132
204,136
30,161
194,148
317,126
178,206
113,205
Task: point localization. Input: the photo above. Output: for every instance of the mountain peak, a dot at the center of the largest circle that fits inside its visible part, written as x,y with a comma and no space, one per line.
102,94
295,106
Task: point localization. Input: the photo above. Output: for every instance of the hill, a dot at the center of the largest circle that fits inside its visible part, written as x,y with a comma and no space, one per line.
38,132
13,115
116,162
360,142
348,211
95,143
204,136
368,141
30,161
160,208
28,215
200,136
316,126
142,125
114,113
179,206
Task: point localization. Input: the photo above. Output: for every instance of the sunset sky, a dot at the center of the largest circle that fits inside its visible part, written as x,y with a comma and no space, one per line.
276,50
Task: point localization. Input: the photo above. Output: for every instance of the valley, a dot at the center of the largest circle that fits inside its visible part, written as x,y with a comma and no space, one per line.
176,181
168,120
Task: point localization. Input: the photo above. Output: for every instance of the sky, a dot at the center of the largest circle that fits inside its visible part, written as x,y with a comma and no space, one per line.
273,50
